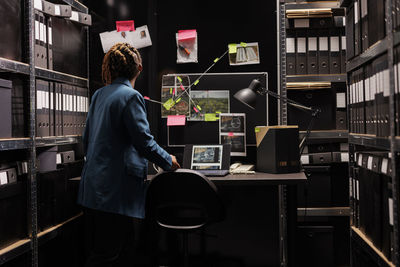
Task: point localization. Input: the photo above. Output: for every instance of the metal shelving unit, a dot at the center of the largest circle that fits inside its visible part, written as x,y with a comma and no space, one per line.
14,144
333,78
30,143
315,137
390,144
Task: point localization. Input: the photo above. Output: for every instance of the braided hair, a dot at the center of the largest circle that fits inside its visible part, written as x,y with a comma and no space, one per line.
122,60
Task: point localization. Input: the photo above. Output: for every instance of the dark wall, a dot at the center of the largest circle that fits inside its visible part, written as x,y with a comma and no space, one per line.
217,24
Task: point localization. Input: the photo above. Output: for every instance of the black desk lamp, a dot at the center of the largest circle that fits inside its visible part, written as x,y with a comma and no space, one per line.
248,96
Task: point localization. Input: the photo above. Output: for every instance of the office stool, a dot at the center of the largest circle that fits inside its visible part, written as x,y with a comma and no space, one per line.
183,201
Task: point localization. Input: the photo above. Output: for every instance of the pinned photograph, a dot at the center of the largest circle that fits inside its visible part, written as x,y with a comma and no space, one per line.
170,90
208,102
244,54
232,130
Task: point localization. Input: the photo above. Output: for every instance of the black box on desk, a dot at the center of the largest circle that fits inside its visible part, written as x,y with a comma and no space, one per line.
278,149
5,108
13,207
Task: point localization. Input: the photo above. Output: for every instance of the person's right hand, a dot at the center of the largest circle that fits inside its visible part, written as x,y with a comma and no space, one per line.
175,165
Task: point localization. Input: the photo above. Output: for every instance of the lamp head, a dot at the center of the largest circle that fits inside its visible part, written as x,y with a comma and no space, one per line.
248,96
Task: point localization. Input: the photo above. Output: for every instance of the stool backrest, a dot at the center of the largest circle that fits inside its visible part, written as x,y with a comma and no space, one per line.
183,197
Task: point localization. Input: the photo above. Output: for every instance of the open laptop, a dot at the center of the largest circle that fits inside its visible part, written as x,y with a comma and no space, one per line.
210,160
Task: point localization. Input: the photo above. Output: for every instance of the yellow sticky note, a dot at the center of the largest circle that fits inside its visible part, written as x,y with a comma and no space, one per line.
196,82
243,44
198,107
179,78
210,117
257,130
169,104
177,101
232,48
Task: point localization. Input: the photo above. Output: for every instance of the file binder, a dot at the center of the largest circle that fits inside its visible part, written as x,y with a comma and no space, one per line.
368,100
62,11
58,109
52,131
323,55
350,32
357,29
38,49
343,53
334,67
48,8
376,18
364,25
43,41
291,55
301,56
312,60
50,43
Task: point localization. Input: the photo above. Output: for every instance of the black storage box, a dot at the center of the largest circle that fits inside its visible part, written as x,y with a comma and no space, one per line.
52,189
278,149
13,210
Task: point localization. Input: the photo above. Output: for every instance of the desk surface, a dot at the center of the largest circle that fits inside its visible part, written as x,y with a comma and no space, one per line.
259,178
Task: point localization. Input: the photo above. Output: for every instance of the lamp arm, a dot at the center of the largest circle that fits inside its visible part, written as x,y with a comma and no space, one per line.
264,91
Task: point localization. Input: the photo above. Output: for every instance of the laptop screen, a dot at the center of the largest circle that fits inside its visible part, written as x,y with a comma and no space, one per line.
206,157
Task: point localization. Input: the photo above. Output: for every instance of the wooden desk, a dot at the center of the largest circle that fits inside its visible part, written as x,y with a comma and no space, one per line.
276,189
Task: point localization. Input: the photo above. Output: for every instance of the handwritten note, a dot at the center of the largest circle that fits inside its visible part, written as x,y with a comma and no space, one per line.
176,120
125,25
184,35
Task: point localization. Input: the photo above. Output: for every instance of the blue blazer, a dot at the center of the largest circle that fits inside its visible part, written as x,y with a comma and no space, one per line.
117,143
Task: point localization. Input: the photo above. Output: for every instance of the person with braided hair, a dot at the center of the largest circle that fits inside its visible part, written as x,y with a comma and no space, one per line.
117,143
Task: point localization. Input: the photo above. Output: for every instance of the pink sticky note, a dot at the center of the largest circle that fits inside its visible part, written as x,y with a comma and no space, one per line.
195,109
176,120
184,35
125,25
146,97
230,134
183,88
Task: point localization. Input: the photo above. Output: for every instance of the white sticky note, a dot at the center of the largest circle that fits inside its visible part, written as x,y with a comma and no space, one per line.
356,19
3,178
51,100
384,165
341,100
41,35
37,4
391,221
290,45
386,80
37,30
323,43
369,165
334,43
359,160
44,33
357,190
305,159
58,158
343,42
57,10
344,157
312,44
301,23
50,36
301,45
74,16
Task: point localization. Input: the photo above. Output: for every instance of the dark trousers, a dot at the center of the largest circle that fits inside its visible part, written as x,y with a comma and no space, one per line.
112,239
